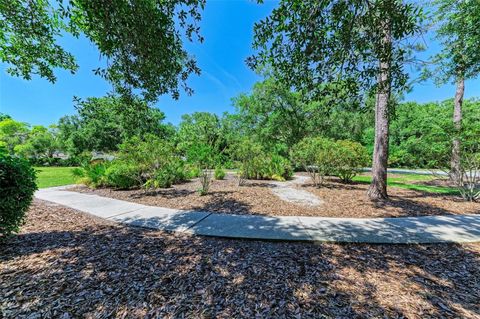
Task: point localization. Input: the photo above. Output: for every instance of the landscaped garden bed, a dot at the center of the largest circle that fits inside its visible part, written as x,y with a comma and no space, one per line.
66,264
410,195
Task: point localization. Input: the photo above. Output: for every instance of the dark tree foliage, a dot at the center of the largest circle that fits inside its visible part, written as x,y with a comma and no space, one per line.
277,116
28,39
4,116
458,30
323,46
142,40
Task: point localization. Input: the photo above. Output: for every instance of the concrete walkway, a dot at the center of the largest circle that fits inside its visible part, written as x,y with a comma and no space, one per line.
287,192
429,229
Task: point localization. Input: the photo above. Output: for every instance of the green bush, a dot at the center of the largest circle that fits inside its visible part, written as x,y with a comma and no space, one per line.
255,163
219,173
122,176
156,160
167,175
316,155
349,158
91,174
277,167
191,171
17,185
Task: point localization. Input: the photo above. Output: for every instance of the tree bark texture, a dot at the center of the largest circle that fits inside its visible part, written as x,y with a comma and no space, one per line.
455,170
378,186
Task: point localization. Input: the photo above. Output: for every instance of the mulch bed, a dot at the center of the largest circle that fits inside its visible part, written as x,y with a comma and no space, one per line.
339,200
66,264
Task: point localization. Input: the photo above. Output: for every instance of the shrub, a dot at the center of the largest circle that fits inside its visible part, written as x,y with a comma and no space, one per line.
277,167
205,181
349,158
468,181
17,185
192,171
316,155
122,176
91,174
255,163
155,159
203,157
219,173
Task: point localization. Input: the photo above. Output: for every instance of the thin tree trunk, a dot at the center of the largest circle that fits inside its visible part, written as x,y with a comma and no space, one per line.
457,123
378,187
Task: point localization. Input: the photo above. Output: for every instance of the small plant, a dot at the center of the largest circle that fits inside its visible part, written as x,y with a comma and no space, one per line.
205,180
17,185
277,168
219,173
203,157
92,175
155,160
192,171
468,181
255,163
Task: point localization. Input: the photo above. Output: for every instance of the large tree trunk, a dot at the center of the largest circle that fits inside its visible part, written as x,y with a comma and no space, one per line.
378,187
457,122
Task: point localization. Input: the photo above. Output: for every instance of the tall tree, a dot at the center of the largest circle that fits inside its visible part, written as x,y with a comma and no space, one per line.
200,128
141,39
12,133
103,123
275,115
458,29
331,47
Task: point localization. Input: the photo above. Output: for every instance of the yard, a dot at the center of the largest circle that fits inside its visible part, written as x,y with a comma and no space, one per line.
66,264
54,176
240,160
410,195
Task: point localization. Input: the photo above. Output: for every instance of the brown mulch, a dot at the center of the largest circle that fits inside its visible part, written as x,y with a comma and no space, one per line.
339,200
65,264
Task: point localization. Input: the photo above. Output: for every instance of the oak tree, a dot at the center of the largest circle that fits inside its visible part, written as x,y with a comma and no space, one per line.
142,40
357,46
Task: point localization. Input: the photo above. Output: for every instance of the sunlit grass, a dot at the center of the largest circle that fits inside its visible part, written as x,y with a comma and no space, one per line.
407,181
54,176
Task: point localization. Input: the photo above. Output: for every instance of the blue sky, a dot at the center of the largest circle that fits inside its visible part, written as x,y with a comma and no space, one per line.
227,27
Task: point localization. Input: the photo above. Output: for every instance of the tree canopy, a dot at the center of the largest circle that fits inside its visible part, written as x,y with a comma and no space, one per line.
457,29
335,46
103,123
142,40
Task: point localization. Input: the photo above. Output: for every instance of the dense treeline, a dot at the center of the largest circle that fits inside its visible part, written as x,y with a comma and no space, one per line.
273,117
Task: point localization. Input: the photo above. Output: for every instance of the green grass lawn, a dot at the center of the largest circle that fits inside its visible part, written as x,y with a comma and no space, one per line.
407,181
54,176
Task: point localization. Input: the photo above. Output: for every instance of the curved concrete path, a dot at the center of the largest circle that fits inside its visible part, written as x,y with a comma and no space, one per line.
428,229
286,192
